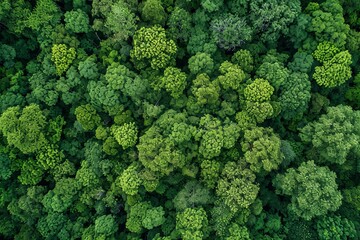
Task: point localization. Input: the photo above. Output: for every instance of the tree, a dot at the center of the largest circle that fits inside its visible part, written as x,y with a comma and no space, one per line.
210,172
313,190
204,90
153,12
192,195
45,12
259,111
262,149
201,63
102,95
87,117
230,31
62,196
237,187
244,59
327,22
120,21
258,91
77,21
7,55
152,47
214,136
179,23
232,75
238,232
192,223
143,215
335,227
212,5
105,225
165,146
130,180
271,18
125,135
44,89
295,95
62,56
174,81
274,72
25,129
50,225
88,68
153,217
335,135
353,93
352,196
302,62
257,95
336,66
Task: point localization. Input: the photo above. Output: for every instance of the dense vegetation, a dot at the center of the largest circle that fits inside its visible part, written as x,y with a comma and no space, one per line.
180,119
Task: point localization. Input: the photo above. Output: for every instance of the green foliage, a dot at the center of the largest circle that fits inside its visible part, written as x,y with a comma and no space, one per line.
313,190
298,228
353,93
24,129
62,56
258,91
125,135
274,72
259,111
102,95
7,55
174,81
335,228
261,147
339,125
179,23
179,119
352,196
238,232
153,12
335,71
244,59
151,46
201,63
105,225
88,68
212,5
143,215
295,95
45,12
204,90
230,32
325,51
87,117
236,186
215,136
210,171
191,223
271,18
302,62
327,23
130,181
77,21
120,21
232,75
51,224
192,195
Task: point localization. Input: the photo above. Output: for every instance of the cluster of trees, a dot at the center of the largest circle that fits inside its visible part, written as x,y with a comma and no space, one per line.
179,119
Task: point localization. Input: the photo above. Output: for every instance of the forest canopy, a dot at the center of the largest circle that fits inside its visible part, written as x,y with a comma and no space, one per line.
179,119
